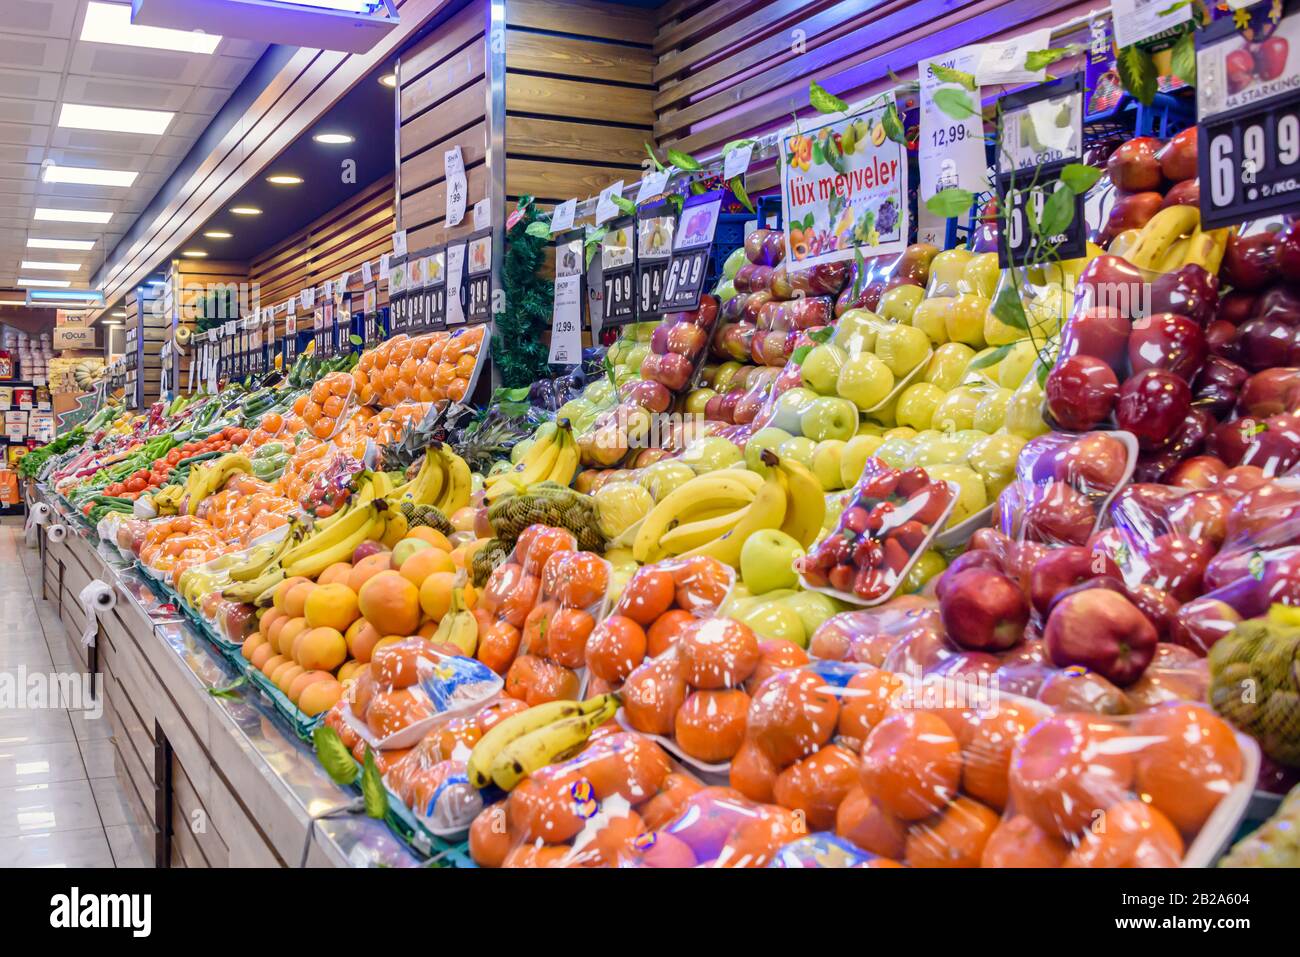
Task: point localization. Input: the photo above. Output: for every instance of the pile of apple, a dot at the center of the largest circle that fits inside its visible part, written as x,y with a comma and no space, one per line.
1149,175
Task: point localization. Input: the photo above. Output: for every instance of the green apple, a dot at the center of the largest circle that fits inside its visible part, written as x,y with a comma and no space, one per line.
897,452
854,459
898,304
599,393
618,350
864,380
812,607
938,448
636,356
821,367
947,367
800,449
826,462
829,418
965,319
957,410
773,620
731,265
767,561
902,348
929,564
991,413
981,275
1024,415
406,548
572,409
790,407
947,269
768,438
644,330
726,290
931,317
834,509
1014,367
971,496
710,453
625,374
994,461
856,330
917,404
901,432
724,374
520,450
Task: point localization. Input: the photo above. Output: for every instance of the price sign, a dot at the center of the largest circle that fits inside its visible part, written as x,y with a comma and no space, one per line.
1248,104
397,293
656,225
478,299
1042,132
566,317
684,281
456,283
618,272
435,290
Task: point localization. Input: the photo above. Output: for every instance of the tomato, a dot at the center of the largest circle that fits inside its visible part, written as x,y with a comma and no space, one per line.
228,431
85,509
239,436
135,484
142,475
173,456
114,489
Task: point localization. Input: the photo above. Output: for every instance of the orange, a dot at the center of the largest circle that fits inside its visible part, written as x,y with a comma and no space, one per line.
444,375
393,711
420,346
718,653
269,618
300,404
566,637
792,715
615,647
390,603
435,590
653,693
489,837
912,763
457,389
648,594
426,562
430,535
863,820
956,837
289,633
538,543
702,583
1019,842
1134,835
1067,770
753,773
816,785
319,696
987,756
368,568
756,841
340,384
542,808
665,632
323,428
311,414
320,391
338,572
537,626
332,407
320,649
710,725
537,681
674,790
251,644
333,606
498,642
1190,764
866,701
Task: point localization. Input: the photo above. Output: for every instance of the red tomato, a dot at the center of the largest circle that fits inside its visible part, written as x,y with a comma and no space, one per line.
135,484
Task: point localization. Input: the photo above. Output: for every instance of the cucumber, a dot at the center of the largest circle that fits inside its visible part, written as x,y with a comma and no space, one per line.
202,457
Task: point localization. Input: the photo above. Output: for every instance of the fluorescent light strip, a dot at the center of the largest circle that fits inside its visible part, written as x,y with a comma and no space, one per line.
13,302
347,6
114,119
333,139
284,179
57,267
195,253
111,23
72,215
217,234
85,176
245,210
52,283
78,244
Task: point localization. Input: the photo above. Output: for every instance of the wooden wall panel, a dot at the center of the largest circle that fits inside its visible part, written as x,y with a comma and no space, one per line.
193,280
444,102
579,96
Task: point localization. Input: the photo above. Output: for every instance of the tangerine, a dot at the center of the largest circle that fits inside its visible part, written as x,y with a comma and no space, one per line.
1019,842
702,583
710,725
616,646
649,593
1134,834
792,715
866,822
653,693
752,772
566,637
911,762
775,654
815,785
987,755
665,632
1191,764
956,837
718,653
866,701
674,790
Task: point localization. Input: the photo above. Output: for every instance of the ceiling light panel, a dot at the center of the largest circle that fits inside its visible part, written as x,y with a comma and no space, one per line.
80,245
85,176
72,215
57,267
114,119
51,283
111,23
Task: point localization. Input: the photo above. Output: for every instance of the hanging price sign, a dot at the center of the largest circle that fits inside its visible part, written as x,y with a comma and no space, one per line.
656,223
618,272
397,293
566,317
456,283
684,281
1041,133
478,269
1248,105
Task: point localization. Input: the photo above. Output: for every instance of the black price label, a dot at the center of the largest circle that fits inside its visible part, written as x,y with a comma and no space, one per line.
618,273
478,298
656,224
1026,215
399,314
478,271
435,311
1248,102
684,280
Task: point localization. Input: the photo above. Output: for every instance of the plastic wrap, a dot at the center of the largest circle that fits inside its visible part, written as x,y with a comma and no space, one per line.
434,367
328,405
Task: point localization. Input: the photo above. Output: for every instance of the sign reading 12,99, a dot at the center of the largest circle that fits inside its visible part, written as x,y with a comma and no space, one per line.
1248,104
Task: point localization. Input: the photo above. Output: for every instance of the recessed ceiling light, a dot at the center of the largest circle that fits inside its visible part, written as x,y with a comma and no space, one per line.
217,234
111,23
72,215
78,244
114,119
58,267
389,80
284,179
245,210
120,312
13,302
84,176
333,139
110,322
194,253
52,283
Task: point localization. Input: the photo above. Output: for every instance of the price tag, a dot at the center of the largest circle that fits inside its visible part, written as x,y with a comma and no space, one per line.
435,290
483,213
562,217
399,243
1042,132
652,184
1004,62
736,163
656,225
950,152
1248,104
566,319
618,272
455,283
457,188
606,209
307,297
684,281
478,306
1138,20
367,274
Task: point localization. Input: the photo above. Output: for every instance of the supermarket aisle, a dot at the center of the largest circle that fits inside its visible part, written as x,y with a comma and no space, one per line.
59,800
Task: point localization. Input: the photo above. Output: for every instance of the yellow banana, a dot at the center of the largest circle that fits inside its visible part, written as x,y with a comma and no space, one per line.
459,484
536,749
395,527
458,627
806,509
249,590
535,466
312,565
766,511
357,517
1176,254
727,488
489,746
1207,248
700,532
566,462
1123,242
1163,230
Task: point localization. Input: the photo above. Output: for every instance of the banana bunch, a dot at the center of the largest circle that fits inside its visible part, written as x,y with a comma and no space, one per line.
532,739
459,627
443,481
167,500
194,584
207,478
713,514
1171,239
553,457
336,543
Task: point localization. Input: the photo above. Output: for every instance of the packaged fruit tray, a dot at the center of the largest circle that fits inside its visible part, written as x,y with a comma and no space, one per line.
301,724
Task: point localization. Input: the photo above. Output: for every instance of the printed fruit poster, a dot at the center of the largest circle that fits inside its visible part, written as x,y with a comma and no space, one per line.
843,187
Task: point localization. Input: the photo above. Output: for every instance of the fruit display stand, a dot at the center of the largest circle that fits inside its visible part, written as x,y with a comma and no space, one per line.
214,780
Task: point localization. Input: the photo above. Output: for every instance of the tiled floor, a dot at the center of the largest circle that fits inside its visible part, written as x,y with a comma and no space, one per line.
60,805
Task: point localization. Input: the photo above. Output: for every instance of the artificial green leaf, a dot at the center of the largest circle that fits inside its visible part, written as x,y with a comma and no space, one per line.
1174,8
334,755
676,201
1137,73
1036,60
1183,63
822,335
946,74
356,340
655,159
625,205
800,354
538,229
1079,178
372,788
954,103
1058,212
698,188
859,267
515,395
1008,308
824,102
738,190
683,160
1041,371
950,202
991,358
737,144
228,691
893,124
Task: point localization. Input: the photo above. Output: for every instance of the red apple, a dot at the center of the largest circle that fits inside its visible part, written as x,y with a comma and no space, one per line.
1201,623
1203,515
984,610
1237,306
1111,282
1178,156
1151,404
1099,331
1084,691
1059,514
1222,339
1134,166
918,651
1218,384
1288,249
1186,193
1281,303
1131,211
1167,341
1250,262
673,370
1176,564
1276,448
1101,630
686,339
1270,392
366,549
1094,463
1160,607
1063,568
1264,343
1243,478
1198,472
963,562
1230,440
1188,291
1081,391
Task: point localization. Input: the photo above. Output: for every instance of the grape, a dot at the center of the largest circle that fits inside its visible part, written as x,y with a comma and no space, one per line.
886,216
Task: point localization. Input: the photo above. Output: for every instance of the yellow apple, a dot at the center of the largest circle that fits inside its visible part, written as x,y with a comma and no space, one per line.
965,319
947,367
917,405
